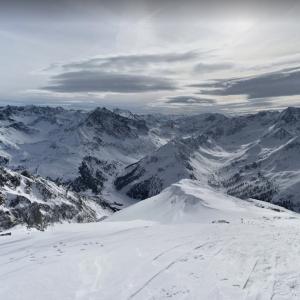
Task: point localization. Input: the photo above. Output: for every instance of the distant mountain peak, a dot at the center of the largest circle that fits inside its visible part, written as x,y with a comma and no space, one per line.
290,115
115,124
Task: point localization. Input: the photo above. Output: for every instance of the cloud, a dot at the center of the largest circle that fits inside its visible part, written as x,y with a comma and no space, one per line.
98,81
118,74
167,8
130,62
189,100
276,84
210,68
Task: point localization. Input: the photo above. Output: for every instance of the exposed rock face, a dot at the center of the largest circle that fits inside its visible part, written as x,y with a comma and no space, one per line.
37,202
290,115
146,189
93,173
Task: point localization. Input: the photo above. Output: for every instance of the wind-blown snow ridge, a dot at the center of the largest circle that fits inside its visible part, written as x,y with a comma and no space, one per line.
188,201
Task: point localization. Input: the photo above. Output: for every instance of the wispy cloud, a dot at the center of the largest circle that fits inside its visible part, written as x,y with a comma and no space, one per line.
212,67
131,62
275,84
189,100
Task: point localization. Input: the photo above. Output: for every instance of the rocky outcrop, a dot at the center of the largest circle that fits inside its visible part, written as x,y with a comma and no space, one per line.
37,202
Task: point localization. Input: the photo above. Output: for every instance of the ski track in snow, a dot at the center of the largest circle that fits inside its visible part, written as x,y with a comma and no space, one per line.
142,260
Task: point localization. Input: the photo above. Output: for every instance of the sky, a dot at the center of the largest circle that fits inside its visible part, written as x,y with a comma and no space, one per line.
162,56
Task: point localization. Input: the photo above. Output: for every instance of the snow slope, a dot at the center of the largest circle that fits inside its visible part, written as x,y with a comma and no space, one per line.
254,256
188,202
52,142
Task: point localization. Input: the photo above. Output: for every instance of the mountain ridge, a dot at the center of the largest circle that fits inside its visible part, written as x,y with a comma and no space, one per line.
116,158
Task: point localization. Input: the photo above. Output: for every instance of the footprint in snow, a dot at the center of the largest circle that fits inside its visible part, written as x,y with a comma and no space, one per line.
185,259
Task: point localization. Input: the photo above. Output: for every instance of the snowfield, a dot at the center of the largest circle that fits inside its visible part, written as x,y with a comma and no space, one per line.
210,246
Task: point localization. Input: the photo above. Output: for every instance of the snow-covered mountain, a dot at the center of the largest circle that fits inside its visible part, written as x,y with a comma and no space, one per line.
116,158
81,152
254,156
55,143
52,142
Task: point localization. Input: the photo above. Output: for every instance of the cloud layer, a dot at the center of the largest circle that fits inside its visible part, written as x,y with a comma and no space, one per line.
119,74
97,81
275,84
132,62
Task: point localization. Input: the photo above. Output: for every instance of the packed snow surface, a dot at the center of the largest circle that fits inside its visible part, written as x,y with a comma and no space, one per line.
209,246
